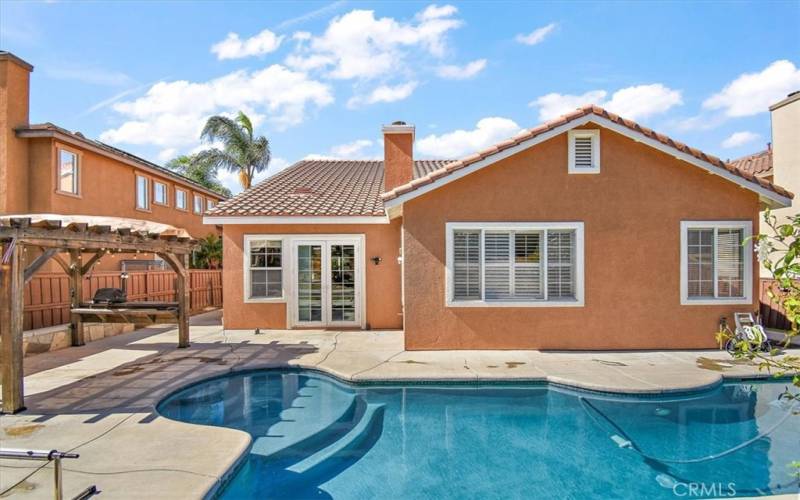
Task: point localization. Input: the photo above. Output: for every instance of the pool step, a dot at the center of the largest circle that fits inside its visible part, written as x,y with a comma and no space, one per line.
371,422
318,416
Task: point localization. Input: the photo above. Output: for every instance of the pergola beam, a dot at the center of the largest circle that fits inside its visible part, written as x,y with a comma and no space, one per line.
76,295
39,262
92,261
12,282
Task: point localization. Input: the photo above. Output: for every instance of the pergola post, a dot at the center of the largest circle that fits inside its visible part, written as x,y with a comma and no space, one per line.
12,282
76,295
182,292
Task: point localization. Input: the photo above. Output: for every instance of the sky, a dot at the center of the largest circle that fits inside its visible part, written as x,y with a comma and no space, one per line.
320,78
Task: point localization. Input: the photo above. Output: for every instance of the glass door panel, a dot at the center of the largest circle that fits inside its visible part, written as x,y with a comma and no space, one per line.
309,283
343,283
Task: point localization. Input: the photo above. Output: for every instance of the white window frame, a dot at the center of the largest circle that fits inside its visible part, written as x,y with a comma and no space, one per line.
210,204
747,255
76,175
194,204
578,301
164,203
285,256
594,134
147,187
185,206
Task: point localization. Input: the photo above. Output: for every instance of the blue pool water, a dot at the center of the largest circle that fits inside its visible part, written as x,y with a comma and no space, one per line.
314,437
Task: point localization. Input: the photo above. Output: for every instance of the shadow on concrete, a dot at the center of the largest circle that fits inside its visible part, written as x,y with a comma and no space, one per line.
137,386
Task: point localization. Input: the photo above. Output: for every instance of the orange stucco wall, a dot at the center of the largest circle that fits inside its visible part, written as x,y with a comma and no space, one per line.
383,306
631,212
14,89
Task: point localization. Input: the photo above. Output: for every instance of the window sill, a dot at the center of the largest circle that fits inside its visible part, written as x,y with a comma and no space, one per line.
158,204
67,193
736,301
538,303
146,210
270,300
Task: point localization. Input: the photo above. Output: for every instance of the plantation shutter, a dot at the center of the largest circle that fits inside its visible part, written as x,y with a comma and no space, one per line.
497,264
560,264
583,152
730,263
466,265
527,266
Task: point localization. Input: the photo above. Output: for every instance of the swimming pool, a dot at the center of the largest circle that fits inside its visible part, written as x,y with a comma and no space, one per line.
314,437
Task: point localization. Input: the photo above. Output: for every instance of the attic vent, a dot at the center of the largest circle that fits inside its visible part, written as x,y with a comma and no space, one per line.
584,151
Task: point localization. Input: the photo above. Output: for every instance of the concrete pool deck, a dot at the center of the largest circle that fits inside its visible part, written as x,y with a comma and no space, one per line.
99,399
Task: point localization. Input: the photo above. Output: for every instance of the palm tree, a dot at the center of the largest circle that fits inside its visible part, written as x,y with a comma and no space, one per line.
241,152
209,255
202,172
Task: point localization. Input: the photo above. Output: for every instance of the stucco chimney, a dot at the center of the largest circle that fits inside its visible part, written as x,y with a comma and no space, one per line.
398,154
14,112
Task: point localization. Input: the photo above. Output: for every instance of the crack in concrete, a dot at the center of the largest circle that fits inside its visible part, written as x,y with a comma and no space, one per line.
387,360
335,345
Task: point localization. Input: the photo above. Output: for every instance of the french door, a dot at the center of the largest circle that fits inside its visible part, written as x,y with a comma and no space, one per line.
327,282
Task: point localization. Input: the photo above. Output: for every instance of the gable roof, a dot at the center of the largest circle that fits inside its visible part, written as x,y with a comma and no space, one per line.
758,164
319,188
50,130
770,193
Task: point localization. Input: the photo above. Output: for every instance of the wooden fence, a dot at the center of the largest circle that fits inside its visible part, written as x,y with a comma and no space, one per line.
772,314
47,294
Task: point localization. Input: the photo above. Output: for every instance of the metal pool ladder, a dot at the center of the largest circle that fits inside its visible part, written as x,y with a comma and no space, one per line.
54,456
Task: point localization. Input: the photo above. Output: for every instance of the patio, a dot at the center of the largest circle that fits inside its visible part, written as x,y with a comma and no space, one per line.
98,399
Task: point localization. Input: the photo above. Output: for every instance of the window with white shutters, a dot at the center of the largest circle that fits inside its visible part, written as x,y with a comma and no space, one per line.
467,265
714,262
492,264
584,151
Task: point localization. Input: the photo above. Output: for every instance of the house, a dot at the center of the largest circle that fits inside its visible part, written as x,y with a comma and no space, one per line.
587,232
48,169
780,162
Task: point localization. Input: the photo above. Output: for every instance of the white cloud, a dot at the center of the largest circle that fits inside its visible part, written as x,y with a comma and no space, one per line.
737,139
167,154
234,47
487,131
357,45
640,101
351,149
231,179
383,93
536,36
453,72
753,93
554,105
172,114
308,16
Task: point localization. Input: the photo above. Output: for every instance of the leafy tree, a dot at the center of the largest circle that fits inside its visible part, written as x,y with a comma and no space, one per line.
242,153
202,172
209,255
779,252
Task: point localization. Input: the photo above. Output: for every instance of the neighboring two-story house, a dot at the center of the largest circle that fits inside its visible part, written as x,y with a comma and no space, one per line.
48,169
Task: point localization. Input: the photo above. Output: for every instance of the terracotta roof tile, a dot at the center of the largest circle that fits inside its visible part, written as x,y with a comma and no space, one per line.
758,164
596,110
323,188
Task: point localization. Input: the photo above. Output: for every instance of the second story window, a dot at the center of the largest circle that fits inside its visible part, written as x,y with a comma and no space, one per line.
210,204
159,193
198,204
67,172
142,193
180,199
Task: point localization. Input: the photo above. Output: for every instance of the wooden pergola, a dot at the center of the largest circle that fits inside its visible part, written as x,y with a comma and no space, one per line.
75,236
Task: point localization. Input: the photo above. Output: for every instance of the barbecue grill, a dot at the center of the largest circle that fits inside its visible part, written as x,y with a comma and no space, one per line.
110,305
